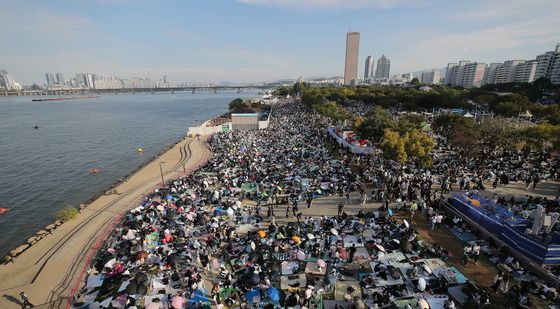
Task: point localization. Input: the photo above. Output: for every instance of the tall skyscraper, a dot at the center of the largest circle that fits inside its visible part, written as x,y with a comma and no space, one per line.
352,53
368,70
60,79
383,67
50,79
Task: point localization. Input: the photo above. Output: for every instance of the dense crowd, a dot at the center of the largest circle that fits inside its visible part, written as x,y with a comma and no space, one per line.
199,242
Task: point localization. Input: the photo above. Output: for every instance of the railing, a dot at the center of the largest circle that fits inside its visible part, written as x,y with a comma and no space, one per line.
527,262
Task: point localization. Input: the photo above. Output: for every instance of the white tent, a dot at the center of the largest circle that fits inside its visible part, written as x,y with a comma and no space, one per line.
468,115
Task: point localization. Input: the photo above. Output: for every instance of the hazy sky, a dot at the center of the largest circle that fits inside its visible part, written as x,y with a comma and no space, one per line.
249,40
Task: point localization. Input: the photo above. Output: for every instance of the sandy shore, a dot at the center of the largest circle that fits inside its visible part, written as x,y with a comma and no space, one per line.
49,269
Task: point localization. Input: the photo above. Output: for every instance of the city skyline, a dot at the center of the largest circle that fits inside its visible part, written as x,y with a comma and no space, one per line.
220,41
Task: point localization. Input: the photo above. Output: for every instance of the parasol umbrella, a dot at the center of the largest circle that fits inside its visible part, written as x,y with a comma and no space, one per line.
253,245
262,233
300,255
396,241
159,207
297,239
321,263
406,223
189,217
380,248
215,225
427,269
390,211
310,236
334,231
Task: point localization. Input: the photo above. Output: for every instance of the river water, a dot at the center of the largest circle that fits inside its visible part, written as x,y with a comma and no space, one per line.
43,170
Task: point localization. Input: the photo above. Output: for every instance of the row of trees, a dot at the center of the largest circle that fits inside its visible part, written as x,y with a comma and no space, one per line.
521,99
495,134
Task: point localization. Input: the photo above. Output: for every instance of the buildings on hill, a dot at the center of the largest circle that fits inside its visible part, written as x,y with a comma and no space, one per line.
352,55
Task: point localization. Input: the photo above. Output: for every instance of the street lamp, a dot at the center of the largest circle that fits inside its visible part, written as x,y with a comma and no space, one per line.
161,172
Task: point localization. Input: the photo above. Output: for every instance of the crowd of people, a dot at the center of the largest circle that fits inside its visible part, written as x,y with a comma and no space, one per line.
213,238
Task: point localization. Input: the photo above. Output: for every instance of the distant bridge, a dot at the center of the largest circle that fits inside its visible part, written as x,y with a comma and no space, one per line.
192,89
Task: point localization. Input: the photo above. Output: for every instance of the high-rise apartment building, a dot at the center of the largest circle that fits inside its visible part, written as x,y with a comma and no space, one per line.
554,74
505,73
383,68
465,74
352,54
60,79
490,74
430,77
525,72
7,82
368,70
450,71
50,79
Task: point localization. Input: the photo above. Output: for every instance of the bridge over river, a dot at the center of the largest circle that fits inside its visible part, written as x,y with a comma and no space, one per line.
192,89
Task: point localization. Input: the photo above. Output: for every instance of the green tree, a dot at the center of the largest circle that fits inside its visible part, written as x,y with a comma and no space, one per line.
542,136
419,145
497,134
376,122
236,104
409,122
393,146
415,81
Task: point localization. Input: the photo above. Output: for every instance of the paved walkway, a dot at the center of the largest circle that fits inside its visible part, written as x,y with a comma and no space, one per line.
48,270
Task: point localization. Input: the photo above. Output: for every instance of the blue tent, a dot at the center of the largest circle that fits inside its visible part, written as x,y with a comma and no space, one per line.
253,296
273,295
198,297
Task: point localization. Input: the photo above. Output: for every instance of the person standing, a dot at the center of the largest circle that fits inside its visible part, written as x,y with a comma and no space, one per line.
475,252
25,301
351,252
497,281
439,219
340,208
413,209
466,252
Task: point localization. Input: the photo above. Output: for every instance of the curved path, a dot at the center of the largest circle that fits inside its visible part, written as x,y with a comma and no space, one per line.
48,270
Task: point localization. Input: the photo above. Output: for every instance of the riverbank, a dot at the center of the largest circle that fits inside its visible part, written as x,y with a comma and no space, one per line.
48,229
46,270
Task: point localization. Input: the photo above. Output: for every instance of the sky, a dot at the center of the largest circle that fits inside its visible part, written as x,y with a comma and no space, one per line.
261,40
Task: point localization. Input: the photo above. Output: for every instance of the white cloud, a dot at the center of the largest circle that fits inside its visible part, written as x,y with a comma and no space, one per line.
35,21
507,41
498,9
325,4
